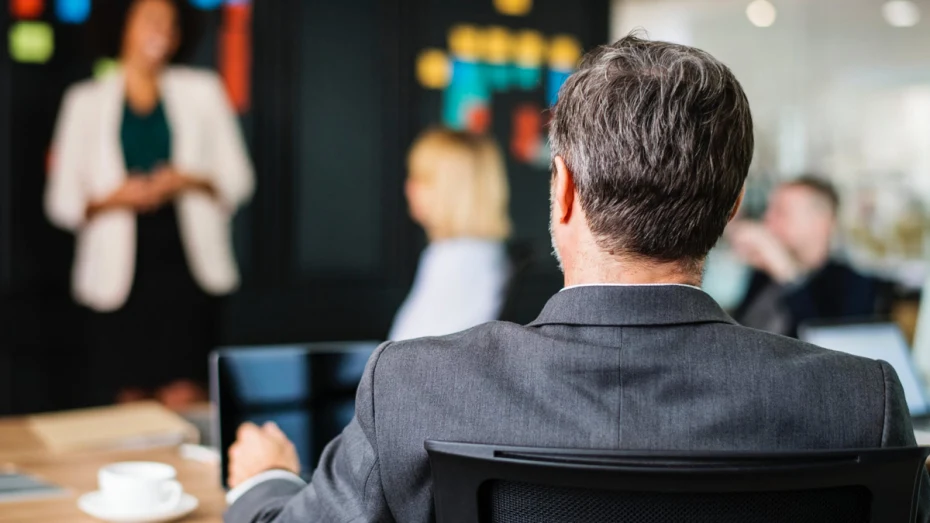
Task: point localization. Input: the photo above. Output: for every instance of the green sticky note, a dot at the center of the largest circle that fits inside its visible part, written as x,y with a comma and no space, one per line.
105,67
31,42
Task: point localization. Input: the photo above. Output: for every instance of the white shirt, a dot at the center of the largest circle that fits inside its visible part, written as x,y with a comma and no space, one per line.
460,283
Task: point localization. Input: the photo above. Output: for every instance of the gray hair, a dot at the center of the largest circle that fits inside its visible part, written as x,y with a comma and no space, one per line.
659,139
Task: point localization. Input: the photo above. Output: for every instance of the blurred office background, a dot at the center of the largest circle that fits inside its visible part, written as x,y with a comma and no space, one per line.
331,95
837,87
330,100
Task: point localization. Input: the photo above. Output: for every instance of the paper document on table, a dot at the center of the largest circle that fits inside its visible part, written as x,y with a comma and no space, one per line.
137,425
20,487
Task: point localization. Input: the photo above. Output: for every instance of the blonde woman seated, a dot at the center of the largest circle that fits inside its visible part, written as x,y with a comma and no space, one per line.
457,191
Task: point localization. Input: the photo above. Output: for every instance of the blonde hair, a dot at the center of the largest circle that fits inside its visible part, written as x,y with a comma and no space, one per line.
467,179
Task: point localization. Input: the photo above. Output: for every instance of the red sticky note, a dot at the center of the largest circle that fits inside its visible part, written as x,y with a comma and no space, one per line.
27,9
235,54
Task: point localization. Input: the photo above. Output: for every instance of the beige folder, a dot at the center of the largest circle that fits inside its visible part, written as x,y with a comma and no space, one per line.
136,425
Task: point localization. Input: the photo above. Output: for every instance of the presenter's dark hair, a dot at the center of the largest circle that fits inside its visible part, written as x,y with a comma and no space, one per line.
108,19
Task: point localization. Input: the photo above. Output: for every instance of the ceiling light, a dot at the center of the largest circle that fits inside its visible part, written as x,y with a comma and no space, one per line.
901,13
761,13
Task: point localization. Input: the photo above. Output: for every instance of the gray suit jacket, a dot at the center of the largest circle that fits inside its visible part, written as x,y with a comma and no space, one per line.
605,367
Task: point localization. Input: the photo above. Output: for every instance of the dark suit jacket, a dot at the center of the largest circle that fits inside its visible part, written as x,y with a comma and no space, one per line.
640,367
835,291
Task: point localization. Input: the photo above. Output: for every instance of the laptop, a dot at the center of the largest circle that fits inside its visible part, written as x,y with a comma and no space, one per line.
877,341
308,390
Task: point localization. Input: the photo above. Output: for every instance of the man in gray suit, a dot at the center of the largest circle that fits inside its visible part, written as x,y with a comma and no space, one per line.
651,146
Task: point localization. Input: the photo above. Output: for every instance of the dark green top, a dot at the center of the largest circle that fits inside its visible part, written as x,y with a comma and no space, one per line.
160,260
146,140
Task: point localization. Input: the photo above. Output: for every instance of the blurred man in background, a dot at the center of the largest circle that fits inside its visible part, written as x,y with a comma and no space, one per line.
795,279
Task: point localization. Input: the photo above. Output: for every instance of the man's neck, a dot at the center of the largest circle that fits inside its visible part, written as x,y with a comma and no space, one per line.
601,269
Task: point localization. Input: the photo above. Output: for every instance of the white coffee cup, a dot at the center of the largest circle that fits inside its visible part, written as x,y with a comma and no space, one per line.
139,487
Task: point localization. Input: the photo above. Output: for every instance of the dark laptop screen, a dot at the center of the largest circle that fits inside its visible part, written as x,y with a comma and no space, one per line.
309,391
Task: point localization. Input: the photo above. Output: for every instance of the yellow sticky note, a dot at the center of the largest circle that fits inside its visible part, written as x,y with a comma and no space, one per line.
564,52
513,7
31,42
498,45
465,41
433,69
529,48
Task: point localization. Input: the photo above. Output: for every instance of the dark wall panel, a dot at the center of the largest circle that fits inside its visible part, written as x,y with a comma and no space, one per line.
326,248
338,204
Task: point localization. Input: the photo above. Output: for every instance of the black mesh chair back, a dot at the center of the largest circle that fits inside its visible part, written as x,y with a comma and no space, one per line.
494,484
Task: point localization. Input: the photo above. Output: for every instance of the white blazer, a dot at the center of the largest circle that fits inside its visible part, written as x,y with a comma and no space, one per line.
87,165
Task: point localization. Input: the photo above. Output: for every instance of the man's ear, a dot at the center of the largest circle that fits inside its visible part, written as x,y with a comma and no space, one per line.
737,205
563,191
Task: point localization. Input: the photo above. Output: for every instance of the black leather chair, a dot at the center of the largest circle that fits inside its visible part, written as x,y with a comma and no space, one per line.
486,483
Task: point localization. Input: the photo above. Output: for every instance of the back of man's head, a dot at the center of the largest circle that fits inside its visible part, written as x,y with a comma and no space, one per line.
658,138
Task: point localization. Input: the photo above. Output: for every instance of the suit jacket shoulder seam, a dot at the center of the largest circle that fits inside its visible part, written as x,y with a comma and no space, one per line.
884,430
374,429
620,390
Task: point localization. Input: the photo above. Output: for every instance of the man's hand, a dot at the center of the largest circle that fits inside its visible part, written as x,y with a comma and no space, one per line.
259,449
759,248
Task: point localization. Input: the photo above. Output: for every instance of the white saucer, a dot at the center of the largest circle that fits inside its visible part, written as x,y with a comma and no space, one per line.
93,504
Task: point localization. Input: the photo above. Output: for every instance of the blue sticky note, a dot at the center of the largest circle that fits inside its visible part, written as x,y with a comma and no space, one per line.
554,82
467,90
497,76
527,78
72,11
206,5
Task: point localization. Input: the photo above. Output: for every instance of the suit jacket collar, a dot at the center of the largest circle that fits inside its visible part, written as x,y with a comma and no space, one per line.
632,305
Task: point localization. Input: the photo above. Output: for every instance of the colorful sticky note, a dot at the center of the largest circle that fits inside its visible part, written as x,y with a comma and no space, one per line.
564,52
105,67
467,92
527,132
513,7
554,80
72,11
433,69
236,54
529,48
465,42
31,42
498,44
526,78
497,76
207,4
27,9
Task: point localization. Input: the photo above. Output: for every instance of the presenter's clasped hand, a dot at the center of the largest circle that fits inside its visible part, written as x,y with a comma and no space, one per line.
260,449
136,193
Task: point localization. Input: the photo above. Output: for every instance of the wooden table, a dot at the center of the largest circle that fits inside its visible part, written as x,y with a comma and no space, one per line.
77,472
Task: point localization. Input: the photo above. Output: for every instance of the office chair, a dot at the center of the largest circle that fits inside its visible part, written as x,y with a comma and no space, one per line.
496,484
